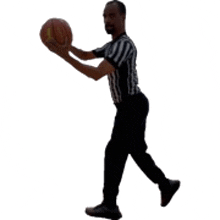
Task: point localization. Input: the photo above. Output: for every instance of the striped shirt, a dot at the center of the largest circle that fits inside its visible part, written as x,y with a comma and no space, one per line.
122,54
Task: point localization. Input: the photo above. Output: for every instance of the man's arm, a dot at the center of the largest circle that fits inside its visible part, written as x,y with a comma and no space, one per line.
95,73
83,55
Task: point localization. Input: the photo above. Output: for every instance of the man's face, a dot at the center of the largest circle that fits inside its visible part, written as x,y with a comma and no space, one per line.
113,20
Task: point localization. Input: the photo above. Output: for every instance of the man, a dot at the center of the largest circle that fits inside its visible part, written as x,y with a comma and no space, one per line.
119,65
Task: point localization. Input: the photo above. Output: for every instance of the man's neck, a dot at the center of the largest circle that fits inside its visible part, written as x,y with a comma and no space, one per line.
114,36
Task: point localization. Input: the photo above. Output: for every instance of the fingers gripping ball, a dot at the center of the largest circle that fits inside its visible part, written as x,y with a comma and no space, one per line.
57,29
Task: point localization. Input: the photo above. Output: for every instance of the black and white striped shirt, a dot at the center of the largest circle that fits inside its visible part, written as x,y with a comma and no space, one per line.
122,54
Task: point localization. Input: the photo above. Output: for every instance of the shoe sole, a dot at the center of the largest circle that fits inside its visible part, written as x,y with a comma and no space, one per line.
102,215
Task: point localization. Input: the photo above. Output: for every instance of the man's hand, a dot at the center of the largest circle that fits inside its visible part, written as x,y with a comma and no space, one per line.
60,50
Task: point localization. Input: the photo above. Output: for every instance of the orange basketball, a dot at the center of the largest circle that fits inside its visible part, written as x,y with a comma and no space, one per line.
57,29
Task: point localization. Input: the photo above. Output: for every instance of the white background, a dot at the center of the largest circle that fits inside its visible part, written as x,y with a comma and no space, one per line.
55,122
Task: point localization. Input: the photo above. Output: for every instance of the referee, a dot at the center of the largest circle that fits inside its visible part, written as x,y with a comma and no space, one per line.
119,65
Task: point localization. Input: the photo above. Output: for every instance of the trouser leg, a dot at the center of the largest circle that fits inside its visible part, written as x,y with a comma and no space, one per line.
150,169
114,163
138,145
143,159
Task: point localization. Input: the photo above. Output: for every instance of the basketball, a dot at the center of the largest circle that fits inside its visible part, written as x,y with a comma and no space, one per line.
57,29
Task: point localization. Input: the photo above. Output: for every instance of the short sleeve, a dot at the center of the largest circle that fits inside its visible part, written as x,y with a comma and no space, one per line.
100,52
120,52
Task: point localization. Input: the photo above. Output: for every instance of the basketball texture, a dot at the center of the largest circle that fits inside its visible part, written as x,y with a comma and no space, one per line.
57,29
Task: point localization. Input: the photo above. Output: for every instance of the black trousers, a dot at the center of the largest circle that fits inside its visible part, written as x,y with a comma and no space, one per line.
128,138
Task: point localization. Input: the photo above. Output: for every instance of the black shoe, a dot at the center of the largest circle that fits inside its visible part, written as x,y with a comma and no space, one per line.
104,212
168,193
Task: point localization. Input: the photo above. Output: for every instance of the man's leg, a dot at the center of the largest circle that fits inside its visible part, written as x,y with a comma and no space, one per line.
150,169
145,162
114,163
115,158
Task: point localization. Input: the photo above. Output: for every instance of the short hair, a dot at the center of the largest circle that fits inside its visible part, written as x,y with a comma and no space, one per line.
121,6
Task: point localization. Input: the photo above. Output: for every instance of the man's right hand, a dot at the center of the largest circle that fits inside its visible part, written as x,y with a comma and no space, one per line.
60,50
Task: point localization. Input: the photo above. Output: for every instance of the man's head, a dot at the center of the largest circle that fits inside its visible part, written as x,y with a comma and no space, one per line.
114,17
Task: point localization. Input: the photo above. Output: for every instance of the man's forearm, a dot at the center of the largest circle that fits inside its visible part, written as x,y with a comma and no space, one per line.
89,71
77,52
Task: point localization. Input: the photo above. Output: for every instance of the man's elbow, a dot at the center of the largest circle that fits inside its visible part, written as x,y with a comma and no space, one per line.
96,78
